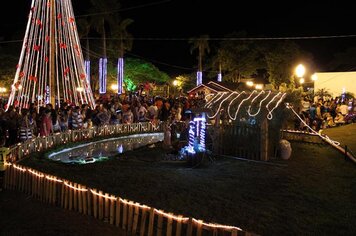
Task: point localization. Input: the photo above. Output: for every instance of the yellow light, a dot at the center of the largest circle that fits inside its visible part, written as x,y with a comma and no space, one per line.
114,87
175,82
314,77
258,86
249,83
300,70
301,80
75,188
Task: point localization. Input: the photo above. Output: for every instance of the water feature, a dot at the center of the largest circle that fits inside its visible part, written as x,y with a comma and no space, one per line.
104,149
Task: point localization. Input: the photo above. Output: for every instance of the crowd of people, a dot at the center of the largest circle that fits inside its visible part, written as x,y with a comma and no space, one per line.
322,113
17,126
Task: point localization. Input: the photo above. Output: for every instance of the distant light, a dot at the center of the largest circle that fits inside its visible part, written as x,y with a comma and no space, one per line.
114,87
219,77
300,70
249,83
314,77
259,86
301,80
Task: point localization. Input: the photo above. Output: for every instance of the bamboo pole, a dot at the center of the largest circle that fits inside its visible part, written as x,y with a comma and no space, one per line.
151,221
159,225
112,210
80,199
124,217
107,209
135,220
169,226
95,205
117,212
190,227
179,226
143,222
101,206
130,217
75,197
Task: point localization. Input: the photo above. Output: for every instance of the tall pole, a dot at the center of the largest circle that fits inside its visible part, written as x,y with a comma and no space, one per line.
51,80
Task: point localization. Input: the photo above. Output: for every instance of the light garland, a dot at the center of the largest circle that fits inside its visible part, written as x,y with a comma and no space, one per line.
75,188
102,195
288,106
269,115
51,62
130,203
259,107
218,97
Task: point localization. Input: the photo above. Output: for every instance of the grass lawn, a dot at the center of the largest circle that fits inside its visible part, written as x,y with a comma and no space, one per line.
313,193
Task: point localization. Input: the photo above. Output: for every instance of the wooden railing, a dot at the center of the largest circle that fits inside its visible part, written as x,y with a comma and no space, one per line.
20,150
133,217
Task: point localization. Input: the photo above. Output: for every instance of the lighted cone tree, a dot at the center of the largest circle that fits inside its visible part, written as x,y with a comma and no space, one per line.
51,65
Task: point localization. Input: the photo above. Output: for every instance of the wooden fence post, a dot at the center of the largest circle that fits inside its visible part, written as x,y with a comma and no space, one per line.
151,221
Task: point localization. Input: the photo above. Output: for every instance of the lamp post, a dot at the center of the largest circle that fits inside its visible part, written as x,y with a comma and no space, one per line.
300,71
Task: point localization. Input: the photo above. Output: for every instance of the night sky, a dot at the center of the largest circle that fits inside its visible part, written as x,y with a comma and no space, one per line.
172,22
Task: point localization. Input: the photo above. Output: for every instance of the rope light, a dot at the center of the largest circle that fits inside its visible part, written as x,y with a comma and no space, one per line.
168,215
102,195
75,188
288,106
34,173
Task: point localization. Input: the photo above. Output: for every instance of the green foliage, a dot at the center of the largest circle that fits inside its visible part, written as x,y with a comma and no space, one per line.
139,71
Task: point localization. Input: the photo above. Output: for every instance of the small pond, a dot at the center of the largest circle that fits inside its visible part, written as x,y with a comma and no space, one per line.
104,149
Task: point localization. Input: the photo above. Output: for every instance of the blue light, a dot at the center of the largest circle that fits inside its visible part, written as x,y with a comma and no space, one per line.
219,77
120,75
87,70
199,78
102,75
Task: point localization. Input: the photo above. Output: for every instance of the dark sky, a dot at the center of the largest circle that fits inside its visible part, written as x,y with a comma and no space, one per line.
179,20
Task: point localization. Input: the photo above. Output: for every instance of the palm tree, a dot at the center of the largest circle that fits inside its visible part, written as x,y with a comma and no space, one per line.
202,45
105,19
124,45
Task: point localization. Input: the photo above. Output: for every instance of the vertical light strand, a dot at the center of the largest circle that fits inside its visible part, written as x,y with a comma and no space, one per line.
199,78
120,75
219,77
87,70
102,75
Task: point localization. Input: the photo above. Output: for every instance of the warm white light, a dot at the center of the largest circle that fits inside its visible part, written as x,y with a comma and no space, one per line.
314,77
80,89
114,87
2,90
175,82
301,80
258,86
300,70
249,83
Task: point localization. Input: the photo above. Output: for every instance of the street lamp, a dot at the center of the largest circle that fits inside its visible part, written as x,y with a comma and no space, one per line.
300,71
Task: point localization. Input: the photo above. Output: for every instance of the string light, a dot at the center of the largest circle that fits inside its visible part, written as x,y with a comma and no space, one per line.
171,216
259,107
75,188
102,195
34,173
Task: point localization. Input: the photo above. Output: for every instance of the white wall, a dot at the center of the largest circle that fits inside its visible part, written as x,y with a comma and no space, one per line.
335,82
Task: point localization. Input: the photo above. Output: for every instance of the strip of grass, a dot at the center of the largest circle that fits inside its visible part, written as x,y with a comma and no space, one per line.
313,193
